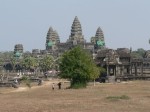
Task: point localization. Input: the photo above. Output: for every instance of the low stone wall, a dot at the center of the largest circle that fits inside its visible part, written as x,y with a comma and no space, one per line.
8,84
111,79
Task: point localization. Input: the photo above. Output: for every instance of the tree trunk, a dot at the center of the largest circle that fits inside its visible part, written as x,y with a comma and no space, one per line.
94,82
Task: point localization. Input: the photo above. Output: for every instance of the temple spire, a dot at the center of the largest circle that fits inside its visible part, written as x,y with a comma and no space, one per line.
57,39
98,40
76,27
76,31
49,33
18,50
52,38
99,34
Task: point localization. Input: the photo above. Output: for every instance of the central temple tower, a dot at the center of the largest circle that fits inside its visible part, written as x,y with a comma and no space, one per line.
76,32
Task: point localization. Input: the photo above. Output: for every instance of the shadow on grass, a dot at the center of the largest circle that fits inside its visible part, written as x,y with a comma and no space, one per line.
116,98
148,96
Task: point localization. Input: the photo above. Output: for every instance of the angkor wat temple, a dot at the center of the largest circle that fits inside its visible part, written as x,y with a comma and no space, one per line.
117,62
56,48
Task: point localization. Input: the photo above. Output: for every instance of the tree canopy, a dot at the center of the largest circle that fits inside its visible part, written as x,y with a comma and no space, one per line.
29,63
46,63
138,54
78,66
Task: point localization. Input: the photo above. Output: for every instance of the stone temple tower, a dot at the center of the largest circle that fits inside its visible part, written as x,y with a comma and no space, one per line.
52,39
76,32
98,40
99,34
18,50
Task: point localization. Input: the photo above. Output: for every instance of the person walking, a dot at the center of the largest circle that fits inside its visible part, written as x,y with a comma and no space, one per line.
59,85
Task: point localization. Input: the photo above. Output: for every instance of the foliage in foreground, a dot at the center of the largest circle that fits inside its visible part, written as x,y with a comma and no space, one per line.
78,66
27,81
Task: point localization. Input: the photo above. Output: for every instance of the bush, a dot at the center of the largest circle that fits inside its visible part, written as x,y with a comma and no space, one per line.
78,66
115,98
27,81
78,85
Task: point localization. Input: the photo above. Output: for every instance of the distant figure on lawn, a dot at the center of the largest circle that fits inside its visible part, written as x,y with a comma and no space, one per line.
59,85
53,86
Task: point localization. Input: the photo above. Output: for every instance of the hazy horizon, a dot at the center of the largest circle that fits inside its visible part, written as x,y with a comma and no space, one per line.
124,23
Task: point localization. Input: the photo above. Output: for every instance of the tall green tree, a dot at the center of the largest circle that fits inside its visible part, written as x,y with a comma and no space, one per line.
1,64
6,54
13,61
46,63
78,66
139,53
1,61
29,63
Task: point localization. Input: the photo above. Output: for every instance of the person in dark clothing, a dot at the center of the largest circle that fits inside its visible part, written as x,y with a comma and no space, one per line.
59,85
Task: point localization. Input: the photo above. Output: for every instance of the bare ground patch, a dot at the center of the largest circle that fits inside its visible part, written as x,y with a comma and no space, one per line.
90,99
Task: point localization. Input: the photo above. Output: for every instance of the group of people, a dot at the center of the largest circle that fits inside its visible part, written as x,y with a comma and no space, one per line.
59,85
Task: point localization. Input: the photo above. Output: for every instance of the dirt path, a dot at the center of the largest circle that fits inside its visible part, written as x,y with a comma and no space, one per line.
25,88
44,84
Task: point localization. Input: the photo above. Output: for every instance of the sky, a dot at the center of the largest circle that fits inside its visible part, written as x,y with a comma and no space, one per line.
125,23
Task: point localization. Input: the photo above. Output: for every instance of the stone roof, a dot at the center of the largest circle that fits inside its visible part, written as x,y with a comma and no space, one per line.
146,59
19,46
137,60
147,54
123,52
102,53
